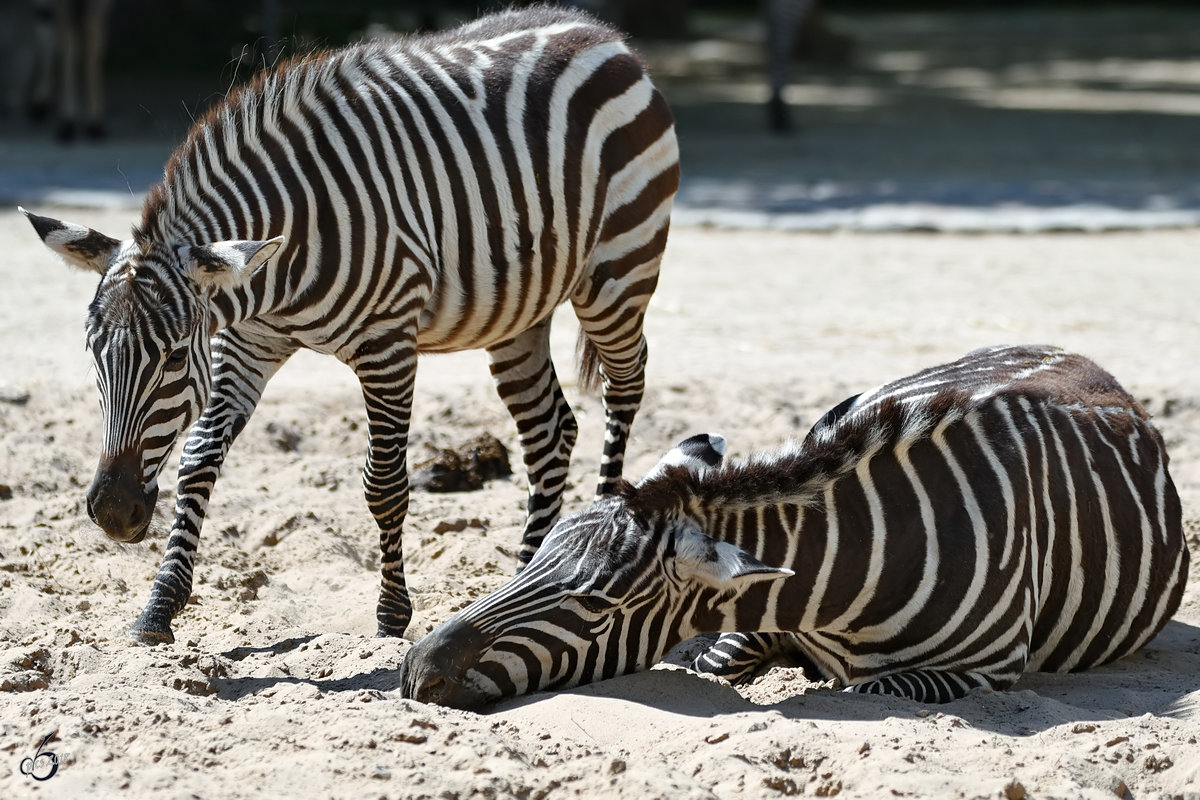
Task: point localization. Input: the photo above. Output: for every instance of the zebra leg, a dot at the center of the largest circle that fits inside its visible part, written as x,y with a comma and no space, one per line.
67,39
528,386
94,40
611,312
242,366
387,369
783,18
739,657
925,685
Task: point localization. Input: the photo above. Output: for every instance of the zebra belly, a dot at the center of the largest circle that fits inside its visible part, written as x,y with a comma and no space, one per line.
442,331
992,641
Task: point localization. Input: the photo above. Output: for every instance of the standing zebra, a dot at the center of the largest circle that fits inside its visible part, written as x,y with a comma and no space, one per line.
437,194
1009,511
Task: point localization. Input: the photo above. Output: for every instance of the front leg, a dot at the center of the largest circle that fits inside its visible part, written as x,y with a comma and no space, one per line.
242,365
927,685
387,369
739,657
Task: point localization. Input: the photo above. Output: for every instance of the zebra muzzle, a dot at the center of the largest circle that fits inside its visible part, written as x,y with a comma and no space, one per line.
435,669
118,502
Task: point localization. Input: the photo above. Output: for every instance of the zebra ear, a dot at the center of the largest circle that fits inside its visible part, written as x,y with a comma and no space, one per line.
77,245
226,264
719,564
696,454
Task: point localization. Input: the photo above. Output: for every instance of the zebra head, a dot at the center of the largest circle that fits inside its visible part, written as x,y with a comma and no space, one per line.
148,330
609,592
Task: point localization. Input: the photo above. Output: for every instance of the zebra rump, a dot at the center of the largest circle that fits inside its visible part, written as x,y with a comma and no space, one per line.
1007,512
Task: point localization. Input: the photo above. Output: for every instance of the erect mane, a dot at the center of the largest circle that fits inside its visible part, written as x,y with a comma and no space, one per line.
517,20
798,473
272,93
229,124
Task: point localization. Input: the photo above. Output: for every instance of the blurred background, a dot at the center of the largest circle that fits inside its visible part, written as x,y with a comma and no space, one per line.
796,114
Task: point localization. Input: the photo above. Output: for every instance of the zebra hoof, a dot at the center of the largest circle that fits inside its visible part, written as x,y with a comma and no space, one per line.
385,631
144,632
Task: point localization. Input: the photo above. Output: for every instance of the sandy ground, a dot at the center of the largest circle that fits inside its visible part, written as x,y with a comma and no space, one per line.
275,684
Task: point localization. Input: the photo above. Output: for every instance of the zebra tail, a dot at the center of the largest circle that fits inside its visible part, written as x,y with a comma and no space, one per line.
588,357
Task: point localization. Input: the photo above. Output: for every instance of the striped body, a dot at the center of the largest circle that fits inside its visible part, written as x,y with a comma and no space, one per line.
433,194
1010,511
476,175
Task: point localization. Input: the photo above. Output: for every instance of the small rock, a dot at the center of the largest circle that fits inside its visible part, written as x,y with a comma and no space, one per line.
27,681
251,584
13,396
194,686
450,525
1014,790
285,437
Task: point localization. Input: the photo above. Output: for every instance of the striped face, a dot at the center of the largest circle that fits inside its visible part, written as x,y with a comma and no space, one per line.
148,334
148,329
591,604
609,592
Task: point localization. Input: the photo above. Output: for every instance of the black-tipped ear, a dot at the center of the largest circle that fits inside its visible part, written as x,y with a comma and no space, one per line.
696,454
77,245
225,264
721,565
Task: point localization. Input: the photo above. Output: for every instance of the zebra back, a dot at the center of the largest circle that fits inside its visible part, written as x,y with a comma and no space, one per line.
474,173
1011,510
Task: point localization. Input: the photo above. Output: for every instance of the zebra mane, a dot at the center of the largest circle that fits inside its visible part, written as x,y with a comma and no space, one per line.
799,472
167,215
539,15
273,92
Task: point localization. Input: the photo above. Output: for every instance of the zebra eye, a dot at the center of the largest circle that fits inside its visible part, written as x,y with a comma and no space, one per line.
593,604
177,358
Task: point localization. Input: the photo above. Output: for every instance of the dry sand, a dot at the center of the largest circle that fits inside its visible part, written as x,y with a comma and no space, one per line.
275,686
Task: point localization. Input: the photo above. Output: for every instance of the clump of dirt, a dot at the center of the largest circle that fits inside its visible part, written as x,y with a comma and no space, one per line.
465,468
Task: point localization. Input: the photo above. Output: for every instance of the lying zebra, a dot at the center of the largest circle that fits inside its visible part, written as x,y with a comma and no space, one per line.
1009,511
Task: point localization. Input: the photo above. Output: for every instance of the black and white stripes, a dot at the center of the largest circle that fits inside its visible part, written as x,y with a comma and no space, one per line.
1010,511
432,194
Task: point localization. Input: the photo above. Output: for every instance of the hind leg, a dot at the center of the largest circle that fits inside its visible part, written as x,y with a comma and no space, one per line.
611,306
529,388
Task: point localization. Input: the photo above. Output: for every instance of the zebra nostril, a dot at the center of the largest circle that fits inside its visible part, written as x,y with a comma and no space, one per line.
432,690
137,517
91,512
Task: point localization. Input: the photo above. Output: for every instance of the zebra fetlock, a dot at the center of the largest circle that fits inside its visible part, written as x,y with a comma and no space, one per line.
740,657
1007,512
924,686
430,194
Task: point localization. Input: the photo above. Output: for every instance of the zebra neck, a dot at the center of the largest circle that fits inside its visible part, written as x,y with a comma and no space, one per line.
781,535
232,306
817,539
